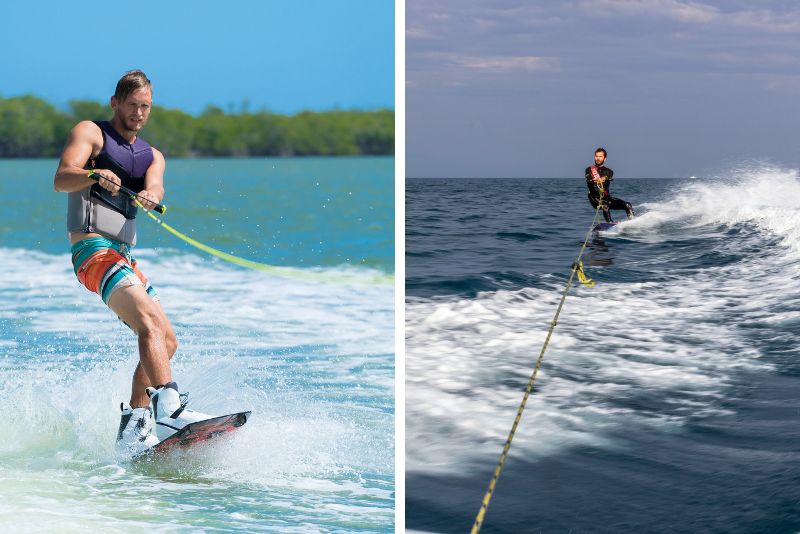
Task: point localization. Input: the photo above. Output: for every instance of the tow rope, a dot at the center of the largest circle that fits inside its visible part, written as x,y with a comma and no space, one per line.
577,269
280,271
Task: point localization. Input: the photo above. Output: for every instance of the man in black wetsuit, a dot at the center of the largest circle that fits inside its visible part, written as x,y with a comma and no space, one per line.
598,180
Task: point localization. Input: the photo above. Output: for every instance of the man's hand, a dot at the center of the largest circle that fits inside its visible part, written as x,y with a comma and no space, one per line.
108,181
147,199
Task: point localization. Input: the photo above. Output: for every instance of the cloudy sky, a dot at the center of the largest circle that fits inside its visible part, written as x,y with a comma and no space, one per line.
671,88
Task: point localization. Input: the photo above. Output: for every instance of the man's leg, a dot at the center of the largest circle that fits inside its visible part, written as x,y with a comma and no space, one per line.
140,381
157,341
619,204
604,208
629,210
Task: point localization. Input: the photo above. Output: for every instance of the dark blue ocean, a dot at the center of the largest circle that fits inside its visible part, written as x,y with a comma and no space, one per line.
669,396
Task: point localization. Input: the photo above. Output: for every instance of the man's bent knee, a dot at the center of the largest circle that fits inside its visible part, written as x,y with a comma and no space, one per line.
135,307
150,323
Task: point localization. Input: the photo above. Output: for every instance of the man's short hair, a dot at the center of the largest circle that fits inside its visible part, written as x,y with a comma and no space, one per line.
603,150
133,80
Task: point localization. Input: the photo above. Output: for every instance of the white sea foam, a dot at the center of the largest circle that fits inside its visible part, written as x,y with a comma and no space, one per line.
643,354
313,361
764,196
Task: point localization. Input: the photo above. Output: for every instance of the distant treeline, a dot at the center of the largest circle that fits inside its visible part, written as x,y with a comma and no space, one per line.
31,127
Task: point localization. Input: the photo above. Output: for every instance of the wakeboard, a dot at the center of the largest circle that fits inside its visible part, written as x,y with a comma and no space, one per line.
604,226
198,432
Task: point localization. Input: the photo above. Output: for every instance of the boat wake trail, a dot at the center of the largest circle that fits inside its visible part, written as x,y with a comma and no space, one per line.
697,298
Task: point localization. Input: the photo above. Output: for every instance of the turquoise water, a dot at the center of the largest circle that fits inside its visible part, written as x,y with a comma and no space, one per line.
313,360
281,211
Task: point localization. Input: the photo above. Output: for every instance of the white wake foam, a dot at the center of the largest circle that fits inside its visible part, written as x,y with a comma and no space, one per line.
313,361
764,196
642,354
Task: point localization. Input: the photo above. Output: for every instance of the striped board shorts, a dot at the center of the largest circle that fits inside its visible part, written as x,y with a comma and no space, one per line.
104,265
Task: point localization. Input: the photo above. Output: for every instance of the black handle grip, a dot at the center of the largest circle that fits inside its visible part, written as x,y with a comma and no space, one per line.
160,208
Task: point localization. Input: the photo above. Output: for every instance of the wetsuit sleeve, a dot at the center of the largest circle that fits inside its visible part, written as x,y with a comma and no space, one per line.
610,175
589,181
593,190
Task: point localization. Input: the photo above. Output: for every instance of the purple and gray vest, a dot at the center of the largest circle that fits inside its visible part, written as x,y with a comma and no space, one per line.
94,209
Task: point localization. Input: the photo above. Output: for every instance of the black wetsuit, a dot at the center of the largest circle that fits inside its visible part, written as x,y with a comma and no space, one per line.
609,202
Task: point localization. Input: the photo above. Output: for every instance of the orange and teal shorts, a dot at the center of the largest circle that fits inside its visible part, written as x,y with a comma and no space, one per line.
104,265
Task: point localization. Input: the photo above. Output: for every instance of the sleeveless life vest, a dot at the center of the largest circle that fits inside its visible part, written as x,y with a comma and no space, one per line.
94,209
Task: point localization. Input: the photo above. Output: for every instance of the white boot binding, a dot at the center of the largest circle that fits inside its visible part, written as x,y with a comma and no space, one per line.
170,410
135,432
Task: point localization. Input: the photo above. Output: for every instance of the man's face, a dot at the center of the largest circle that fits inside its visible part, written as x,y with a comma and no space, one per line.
599,158
134,111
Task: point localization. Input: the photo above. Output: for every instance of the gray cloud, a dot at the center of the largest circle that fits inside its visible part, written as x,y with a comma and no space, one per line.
562,77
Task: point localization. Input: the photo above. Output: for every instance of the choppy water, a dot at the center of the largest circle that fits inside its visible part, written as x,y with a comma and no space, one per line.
313,361
668,397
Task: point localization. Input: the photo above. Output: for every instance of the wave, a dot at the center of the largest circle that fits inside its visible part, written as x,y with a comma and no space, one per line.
702,297
313,361
519,236
764,197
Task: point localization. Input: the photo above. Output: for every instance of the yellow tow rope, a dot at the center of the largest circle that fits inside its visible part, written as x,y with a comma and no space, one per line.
577,268
384,279
274,269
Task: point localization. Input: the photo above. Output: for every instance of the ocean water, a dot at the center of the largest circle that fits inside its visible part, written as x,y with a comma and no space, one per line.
668,397
313,360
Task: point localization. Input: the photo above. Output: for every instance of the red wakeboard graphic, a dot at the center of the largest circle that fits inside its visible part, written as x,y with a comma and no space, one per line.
198,432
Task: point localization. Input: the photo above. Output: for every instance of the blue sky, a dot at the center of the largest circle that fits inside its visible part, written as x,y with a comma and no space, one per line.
531,87
285,56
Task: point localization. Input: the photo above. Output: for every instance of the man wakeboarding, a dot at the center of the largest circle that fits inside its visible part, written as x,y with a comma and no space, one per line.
98,159
598,180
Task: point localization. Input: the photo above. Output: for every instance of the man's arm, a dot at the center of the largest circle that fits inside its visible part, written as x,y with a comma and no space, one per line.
594,187
153,190
70,176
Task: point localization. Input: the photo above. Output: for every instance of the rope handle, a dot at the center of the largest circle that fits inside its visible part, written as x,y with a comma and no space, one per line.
160,208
